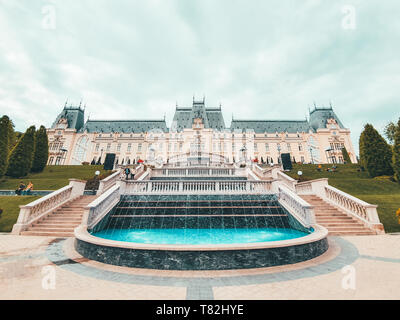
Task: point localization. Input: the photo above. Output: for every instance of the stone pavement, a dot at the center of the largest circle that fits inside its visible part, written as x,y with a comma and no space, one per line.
355,267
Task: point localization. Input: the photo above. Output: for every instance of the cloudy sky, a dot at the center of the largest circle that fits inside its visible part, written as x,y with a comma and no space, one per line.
261,59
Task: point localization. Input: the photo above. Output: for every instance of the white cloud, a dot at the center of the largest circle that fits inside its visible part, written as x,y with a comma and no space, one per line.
135,59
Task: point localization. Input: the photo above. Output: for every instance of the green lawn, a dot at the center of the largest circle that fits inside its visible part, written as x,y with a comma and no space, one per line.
10,206
379,191
52,177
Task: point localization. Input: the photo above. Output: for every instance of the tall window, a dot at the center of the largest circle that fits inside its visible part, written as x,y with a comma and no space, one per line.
267,147
289,147
80,151
118,147
97,147
140,147
300,147
129,147
108,147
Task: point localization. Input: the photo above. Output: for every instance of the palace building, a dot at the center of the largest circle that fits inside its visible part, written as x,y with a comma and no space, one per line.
197,133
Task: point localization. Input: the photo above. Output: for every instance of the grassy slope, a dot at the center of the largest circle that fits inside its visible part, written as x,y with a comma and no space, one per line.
383,192
10,206
52,177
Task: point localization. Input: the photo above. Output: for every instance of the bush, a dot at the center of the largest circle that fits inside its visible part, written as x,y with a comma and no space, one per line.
41,151
20,161
375,153
396,153
6,130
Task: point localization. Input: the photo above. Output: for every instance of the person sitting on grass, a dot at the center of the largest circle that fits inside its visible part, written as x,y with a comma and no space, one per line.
319,168
20,188
29,188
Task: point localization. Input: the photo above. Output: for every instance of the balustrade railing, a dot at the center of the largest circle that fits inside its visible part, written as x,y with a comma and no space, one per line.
108,182
288,181
197,172
40,208
96,210
198,186
298,207
354,206
304,188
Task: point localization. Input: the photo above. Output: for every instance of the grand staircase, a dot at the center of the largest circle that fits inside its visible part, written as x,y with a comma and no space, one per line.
336,221
63,221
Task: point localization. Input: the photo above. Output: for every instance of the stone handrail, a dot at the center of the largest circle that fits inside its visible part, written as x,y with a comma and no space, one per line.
197,187
298,207
197,171
361,210
40,208
288,181
96,210
108,182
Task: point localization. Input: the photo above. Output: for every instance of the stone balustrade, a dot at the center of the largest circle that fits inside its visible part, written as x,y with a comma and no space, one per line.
361,210
197,187
108,182
298,207
286,180
96,210
198,172
39,209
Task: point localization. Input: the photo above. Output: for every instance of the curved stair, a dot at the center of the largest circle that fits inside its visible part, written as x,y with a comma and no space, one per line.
336,221
61,222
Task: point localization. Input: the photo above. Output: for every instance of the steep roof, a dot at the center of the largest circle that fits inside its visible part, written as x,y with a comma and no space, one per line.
319,117
74,115
212,117
261,126
124,126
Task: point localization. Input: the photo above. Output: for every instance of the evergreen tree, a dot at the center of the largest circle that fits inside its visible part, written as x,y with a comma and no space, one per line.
6,135
41,150
346,157
375,153
21,157
396,153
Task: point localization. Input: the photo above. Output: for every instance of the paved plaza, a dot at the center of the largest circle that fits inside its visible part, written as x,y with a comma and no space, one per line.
356,267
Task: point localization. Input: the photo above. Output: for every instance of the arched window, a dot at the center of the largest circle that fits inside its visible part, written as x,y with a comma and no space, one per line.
80,151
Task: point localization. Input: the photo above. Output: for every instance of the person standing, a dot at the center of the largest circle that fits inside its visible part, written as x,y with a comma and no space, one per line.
127,172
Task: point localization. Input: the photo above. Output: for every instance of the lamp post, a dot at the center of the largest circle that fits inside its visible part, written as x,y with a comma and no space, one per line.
101,154
244,153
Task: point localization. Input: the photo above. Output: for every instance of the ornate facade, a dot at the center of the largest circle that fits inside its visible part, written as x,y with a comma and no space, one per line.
197,133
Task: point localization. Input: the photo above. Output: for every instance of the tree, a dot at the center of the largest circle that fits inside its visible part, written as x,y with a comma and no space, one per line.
390,131
21,157
396,153
346,157
41,150
375,153
6,136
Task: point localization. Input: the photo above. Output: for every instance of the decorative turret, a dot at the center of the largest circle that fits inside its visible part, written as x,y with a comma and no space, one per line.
319,118
71,117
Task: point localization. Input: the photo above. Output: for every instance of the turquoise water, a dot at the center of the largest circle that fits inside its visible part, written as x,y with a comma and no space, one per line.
199,236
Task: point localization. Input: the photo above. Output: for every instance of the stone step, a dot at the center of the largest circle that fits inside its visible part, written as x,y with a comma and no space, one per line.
67,213
348,228
341,224
61,220
48,233
365,232
55,225
49,229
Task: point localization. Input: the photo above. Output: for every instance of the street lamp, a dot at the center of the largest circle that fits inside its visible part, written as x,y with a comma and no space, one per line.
243,150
